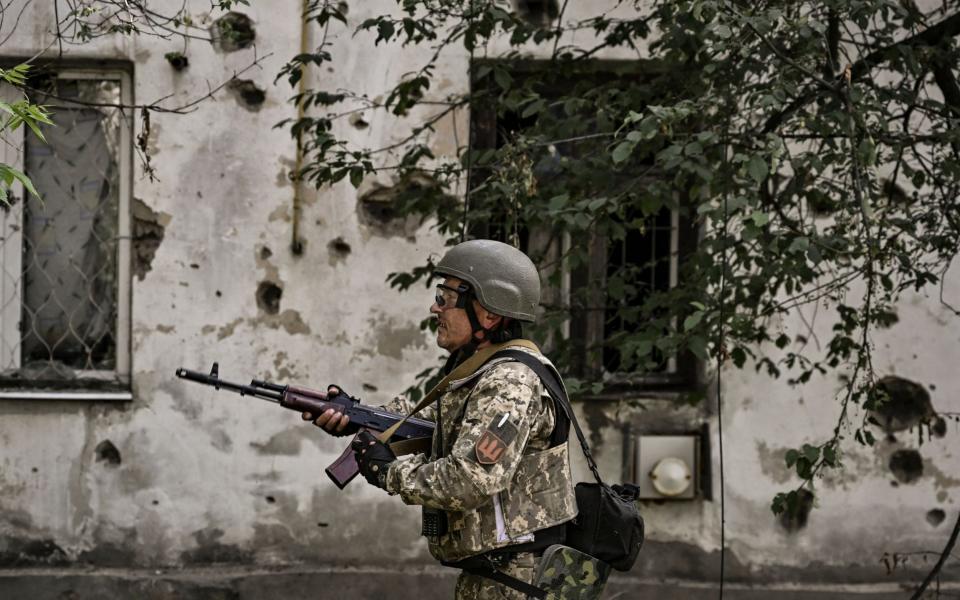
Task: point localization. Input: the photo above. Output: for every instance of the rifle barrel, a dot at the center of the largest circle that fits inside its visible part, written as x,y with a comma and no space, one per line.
243,390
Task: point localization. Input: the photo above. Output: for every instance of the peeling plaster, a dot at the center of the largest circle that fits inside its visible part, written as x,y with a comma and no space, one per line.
945,483
280,213
287,442
392,339
228,329
772,462
147,234
290,320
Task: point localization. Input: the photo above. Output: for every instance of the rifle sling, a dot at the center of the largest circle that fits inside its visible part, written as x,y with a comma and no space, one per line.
464,369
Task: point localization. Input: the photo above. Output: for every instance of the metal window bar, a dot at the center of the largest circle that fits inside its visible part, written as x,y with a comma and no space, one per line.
69,292
654,253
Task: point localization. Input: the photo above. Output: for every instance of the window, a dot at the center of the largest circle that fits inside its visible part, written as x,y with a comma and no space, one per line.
65,257
601,306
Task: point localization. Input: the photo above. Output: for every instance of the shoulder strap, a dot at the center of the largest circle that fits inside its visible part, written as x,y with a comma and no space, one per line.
476,565
465,369
554,385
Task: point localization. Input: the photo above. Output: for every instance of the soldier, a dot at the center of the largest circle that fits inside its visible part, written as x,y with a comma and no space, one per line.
496,487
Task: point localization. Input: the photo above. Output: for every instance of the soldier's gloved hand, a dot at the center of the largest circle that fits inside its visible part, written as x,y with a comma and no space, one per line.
373,458
333,422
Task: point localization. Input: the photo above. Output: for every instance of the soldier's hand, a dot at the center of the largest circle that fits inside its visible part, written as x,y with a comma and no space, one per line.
333,422
373,458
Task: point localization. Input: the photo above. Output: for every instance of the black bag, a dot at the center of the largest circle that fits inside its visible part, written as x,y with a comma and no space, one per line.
609,525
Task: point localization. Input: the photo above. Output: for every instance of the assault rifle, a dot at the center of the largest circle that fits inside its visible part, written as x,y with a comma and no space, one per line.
418,431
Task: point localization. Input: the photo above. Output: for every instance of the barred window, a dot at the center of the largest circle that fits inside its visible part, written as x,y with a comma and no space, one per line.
65,256
602,307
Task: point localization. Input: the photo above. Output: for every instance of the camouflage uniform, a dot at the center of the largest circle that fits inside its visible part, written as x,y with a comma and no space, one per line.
496,491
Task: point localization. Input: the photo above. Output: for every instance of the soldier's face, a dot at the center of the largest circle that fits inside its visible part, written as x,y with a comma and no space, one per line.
453,326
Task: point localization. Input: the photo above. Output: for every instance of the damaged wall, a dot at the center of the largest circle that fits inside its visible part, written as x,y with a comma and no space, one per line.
184,476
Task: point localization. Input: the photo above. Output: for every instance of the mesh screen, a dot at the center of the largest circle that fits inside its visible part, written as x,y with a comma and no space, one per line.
68,279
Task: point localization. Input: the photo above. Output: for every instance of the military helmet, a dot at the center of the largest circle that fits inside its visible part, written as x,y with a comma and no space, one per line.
503,278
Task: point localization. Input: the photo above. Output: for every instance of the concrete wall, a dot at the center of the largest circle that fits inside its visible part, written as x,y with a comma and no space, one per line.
210,495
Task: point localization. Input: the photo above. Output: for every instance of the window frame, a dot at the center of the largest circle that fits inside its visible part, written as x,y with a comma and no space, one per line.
117,382
686,370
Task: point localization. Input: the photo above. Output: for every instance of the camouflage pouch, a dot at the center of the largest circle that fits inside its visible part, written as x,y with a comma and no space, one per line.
568,574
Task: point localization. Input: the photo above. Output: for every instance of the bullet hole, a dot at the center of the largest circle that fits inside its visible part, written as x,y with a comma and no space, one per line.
538,12
271,499
795,516
247,93
155,502
147,229
34,470
935,517
233,31
368,387
887,318
358,120
265,253
268,297
177,60
906,465
339,247
896,194
194,266
381,207
939,427
902,404
218,293
322,524
108,453
297,247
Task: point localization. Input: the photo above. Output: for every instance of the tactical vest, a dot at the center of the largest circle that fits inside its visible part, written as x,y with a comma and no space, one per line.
539,496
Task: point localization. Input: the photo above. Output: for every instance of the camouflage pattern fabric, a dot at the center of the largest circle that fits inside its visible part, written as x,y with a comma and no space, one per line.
568,574
529,484
474,587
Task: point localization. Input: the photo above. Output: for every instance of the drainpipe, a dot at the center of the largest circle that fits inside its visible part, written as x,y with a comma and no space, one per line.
296,244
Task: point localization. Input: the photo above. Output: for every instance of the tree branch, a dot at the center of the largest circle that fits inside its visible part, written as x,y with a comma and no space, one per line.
947,28
943,558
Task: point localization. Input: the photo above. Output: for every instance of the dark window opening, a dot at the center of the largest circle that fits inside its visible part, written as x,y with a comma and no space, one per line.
603,295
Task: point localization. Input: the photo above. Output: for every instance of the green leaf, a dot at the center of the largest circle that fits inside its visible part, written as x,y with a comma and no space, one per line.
757,168
779,504
558,202
622,151
385,31
8,174
533,108
698,346
759,218
799,244
791,457
830,456
692,321
502,77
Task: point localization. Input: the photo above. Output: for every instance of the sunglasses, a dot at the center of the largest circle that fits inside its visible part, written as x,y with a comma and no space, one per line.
448,297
